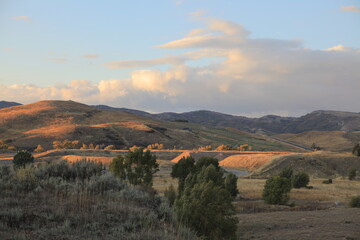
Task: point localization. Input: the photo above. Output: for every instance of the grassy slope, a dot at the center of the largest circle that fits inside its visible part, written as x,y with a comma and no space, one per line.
338,141
319,165
43,122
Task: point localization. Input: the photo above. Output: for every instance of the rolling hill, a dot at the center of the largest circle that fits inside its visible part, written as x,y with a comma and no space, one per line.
5,104
315,121
43,122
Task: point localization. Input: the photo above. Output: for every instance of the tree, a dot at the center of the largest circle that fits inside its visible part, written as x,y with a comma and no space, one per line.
231,184
286,173
224,147
356,150
205,205
137,167
276,190
170,194
182,169
22,158
300,180
352,173
117,167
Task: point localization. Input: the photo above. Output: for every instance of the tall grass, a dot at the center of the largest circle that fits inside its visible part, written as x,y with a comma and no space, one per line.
80,201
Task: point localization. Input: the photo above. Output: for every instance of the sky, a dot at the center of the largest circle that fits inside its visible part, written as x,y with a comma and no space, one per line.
241,57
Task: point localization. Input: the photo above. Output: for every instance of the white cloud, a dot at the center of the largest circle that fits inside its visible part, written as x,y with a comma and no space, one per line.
350,9
22,18
250,76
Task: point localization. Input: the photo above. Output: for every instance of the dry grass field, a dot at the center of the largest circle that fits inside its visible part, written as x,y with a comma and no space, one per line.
328,140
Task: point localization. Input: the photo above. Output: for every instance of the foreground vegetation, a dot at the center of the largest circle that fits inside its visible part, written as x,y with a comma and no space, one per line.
80,201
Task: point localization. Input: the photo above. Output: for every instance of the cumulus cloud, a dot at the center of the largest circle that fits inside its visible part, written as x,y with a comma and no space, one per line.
22,18
350,9
251,75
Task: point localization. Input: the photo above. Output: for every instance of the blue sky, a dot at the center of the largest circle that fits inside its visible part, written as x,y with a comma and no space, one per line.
47,45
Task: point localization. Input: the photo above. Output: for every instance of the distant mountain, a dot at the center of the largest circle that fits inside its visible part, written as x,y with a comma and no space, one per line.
4,104
315,121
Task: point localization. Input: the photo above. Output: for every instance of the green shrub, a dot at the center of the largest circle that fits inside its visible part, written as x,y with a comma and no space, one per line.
286,173
352,174
355,202
137,167
276,190
22,158
5,173
300,180
356,150
231,184
329,181
170,194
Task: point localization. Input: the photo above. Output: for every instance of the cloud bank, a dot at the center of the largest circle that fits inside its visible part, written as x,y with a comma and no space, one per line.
248,76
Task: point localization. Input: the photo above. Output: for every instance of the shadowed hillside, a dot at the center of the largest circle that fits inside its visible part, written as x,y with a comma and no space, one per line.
314,121
5,104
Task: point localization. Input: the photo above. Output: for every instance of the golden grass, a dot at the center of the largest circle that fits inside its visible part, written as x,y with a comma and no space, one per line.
131,125
250,161
53,130
338,142
18,111
75,158
341,190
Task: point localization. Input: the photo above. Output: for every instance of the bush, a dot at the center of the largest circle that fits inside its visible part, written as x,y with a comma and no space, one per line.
276,190
356,150
110,147
329,181
352,174
156,146
137,167
355,202
286,173
170,194
231,184
66,144
22,158
224,147
206,208
300,180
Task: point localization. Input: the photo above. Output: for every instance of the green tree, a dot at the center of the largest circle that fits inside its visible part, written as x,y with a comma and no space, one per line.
286,173
206,161
276,190
206,206
356,150
22,158
231,184
117,167
182,169
140,167
300,180
170,194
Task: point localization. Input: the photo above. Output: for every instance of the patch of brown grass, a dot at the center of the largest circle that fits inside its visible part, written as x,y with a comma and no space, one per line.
250,161
131,125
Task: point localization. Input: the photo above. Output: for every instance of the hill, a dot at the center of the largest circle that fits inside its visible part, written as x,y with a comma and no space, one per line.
4,104
337,141
316,121
316,165
43,122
